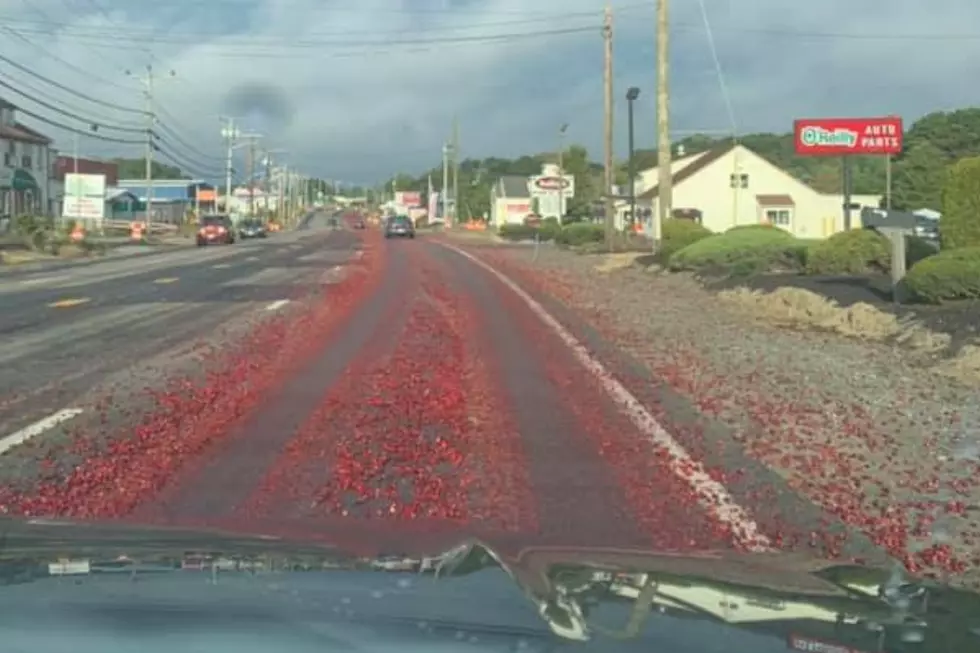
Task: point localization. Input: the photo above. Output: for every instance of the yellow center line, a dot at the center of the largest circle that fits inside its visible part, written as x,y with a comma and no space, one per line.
167,280
67,303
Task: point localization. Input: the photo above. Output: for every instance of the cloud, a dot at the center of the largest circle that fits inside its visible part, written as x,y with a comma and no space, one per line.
357,91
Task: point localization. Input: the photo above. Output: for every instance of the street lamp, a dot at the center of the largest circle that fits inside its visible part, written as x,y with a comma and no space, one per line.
561,171
631,94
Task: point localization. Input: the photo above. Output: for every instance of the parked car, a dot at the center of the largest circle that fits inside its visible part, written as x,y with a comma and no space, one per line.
400,226
251,229
215,229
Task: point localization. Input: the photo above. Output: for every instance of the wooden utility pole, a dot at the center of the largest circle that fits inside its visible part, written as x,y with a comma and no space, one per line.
610,202
455,173
665,179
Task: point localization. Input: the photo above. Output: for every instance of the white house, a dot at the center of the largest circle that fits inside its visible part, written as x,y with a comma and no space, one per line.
510,201
731,186
26,167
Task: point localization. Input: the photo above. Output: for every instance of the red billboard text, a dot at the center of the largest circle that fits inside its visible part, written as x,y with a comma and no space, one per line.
842,136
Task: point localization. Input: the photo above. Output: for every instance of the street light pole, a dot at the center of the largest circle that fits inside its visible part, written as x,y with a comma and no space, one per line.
631,96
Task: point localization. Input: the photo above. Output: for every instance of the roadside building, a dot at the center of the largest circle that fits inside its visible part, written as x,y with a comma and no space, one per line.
26,167
731,186
510,201
172,198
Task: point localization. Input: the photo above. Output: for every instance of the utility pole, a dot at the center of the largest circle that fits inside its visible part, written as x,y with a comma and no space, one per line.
231,135
267,186
665,178
610,202
445,180
147,82
250,172
455,173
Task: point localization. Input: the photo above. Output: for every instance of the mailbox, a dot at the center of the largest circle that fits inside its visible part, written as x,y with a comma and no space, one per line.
894,225
888,219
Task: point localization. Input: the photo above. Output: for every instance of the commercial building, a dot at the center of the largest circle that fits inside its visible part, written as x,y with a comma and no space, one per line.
731,186
26,167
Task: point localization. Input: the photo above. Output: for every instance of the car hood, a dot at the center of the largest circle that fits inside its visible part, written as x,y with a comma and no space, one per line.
86,587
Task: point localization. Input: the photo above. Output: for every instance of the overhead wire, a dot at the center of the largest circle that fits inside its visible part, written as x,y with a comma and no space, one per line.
76,130
70,114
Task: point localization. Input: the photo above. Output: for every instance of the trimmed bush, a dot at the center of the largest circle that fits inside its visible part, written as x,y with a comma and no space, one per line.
581,233
948,275
678,234
518,232
959,225
741,252
857,251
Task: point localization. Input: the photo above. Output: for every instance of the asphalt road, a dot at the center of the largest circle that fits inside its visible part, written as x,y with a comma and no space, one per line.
384,395
66,331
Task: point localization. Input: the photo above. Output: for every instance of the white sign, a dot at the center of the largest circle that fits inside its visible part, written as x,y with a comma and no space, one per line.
542,185
84,197
552,192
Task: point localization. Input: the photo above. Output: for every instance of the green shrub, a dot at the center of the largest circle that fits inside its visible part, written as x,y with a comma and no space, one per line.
549,229
517,232
917,249
757,227
857,251
678,234
948,275
741,252
581,233
959,225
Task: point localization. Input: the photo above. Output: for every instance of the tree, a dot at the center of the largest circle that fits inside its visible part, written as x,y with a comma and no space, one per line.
959,225
136,169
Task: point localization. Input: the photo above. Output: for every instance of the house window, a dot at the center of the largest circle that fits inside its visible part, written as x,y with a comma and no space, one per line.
738,181
25,161
8,160
778,217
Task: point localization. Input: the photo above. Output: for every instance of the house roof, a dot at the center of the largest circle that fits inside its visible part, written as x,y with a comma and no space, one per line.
6,105
514,186
692,169
24,134
775,200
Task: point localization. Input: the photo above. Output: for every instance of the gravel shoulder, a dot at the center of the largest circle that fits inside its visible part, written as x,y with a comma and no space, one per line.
861,428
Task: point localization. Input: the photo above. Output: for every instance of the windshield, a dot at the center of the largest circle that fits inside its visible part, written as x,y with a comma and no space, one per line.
313,271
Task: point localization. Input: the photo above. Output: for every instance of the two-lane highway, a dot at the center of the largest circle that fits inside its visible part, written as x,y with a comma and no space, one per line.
64,332
387,394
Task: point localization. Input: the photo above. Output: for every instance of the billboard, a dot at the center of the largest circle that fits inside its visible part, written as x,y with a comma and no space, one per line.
84,197
842,136
409,198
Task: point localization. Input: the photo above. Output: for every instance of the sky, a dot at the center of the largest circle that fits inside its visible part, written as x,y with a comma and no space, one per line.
358,91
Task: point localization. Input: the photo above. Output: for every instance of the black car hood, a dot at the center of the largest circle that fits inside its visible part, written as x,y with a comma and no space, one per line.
81,588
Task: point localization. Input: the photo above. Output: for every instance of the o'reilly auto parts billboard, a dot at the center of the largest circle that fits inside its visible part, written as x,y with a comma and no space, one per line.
843,136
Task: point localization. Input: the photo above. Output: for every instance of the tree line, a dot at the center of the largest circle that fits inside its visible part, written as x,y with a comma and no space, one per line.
931,145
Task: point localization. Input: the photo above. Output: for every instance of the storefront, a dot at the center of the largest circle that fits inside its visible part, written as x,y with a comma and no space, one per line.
20,193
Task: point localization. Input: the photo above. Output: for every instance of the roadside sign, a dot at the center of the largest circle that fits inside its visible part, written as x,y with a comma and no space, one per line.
842,136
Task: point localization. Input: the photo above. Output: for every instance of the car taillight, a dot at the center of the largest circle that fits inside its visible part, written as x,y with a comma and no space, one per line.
221,230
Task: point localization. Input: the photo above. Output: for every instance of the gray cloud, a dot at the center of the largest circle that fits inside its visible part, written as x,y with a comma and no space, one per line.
358,90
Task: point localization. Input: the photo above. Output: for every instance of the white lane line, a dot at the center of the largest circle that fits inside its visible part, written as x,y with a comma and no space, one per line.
221,266
252,258
712,495
37,428
31,282
276,305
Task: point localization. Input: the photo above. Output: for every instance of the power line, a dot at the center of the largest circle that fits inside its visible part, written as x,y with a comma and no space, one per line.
71,114
313,43
75,130
68,89
195,37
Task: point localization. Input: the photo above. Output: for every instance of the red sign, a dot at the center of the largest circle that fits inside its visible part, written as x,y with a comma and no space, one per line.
840,136
552,183
410,198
